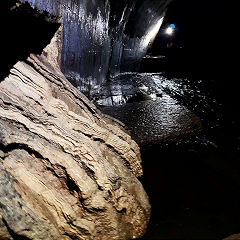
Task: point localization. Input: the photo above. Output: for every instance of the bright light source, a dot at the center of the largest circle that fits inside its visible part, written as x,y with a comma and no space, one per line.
153,32
169,31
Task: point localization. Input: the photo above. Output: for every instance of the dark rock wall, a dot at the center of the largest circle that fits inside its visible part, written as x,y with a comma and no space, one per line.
67,171
85,40
103,38
140,31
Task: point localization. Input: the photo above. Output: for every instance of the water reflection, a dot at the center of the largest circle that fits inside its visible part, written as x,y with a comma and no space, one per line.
153,121
193,185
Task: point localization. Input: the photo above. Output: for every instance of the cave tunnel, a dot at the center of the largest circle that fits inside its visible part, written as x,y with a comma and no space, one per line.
196,185
168,89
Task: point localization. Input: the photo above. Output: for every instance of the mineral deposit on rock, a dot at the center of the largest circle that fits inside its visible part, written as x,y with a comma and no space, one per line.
66,170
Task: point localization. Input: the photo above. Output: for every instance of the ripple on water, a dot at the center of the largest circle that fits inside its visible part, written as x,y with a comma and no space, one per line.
155,121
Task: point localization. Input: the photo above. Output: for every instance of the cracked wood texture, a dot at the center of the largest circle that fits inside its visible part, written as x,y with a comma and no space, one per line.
66,170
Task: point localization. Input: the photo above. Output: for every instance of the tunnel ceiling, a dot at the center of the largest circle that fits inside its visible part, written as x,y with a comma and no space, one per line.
103,38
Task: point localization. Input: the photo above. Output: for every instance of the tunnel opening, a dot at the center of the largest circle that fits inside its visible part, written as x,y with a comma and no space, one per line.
192,178
199,42
195,189
199,55
187,128
24,31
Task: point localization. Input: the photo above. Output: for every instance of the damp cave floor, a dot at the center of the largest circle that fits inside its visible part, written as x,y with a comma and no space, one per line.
193,192
193,183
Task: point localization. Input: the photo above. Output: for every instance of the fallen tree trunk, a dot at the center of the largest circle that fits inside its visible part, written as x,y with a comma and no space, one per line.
66,170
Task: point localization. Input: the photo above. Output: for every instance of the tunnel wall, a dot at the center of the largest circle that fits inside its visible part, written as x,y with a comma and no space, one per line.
102,38
141,29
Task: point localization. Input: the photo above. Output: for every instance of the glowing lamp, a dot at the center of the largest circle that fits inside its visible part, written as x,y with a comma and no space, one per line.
169,31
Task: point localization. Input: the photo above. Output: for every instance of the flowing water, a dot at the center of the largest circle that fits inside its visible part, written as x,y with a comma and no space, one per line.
190,149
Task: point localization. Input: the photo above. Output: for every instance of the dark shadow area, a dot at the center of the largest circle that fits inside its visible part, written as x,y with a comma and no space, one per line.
201,54
193,191
194,186
12,233
203,41
203,45
23,31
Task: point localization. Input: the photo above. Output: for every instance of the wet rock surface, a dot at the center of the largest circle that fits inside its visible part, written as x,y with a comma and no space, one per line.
142,102
69,172
200,178
103,38
192,180
127,87
66,170
154,121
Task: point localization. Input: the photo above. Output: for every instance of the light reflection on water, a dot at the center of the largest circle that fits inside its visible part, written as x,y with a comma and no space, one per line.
192,185
160,119
152,121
